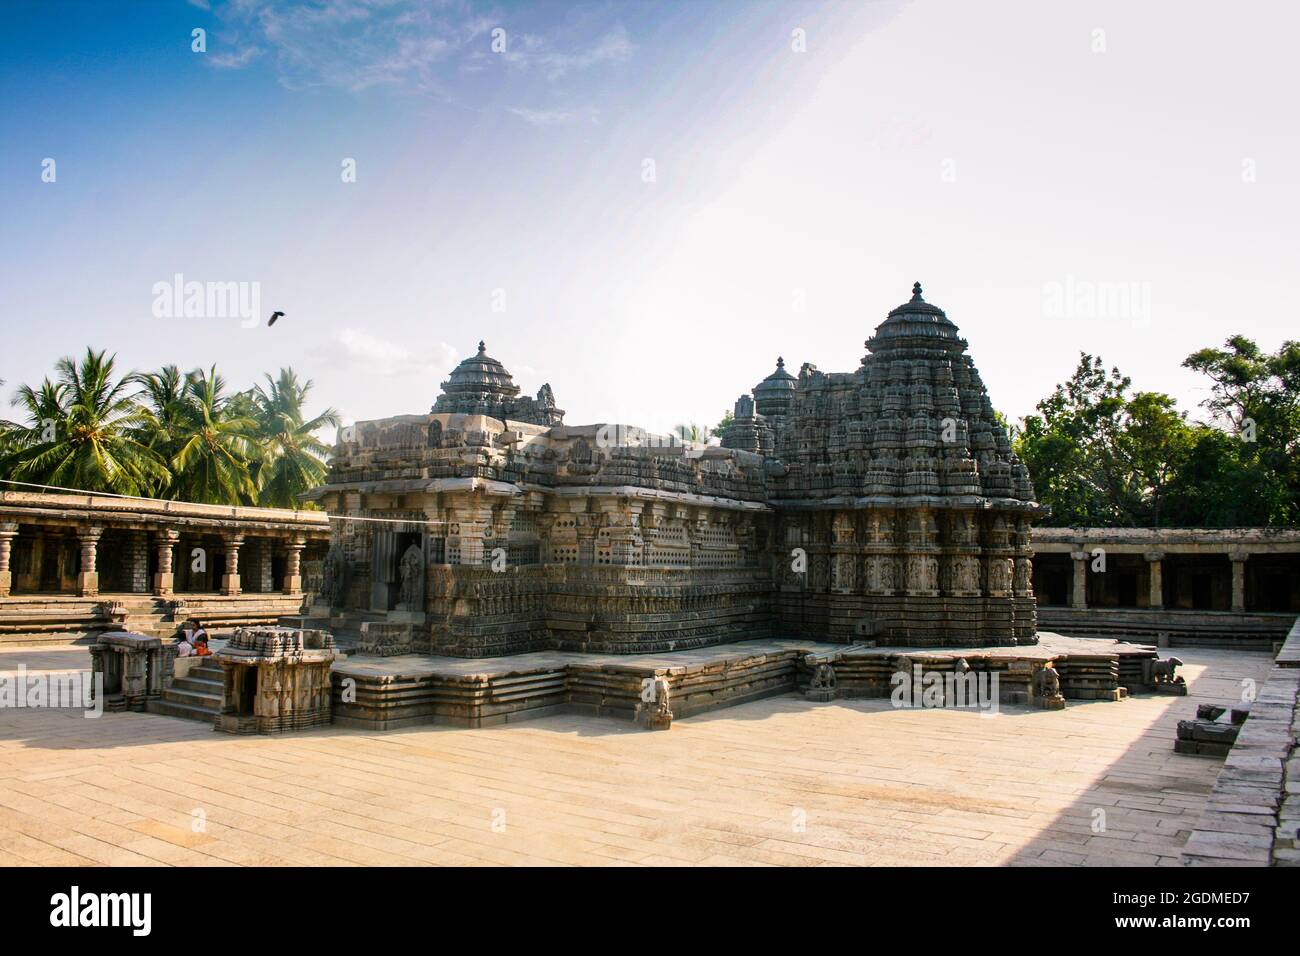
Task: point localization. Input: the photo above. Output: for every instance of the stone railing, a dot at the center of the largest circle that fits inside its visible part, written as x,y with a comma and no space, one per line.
1253,813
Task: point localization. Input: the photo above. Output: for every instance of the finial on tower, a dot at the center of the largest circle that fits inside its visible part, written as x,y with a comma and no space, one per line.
916,291
481,347
780,362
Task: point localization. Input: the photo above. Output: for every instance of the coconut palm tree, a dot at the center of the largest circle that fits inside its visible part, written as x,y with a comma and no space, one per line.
82,431
693,433
163,400
292,458
215,444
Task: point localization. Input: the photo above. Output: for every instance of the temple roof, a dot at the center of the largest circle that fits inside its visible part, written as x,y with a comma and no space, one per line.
480,385
480,374
778,382
916,323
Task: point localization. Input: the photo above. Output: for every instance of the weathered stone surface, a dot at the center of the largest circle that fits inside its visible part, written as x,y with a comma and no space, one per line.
883,502
1253,813
133,668
276,679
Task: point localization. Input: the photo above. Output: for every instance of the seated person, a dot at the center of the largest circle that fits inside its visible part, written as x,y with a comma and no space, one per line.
189,636
201,643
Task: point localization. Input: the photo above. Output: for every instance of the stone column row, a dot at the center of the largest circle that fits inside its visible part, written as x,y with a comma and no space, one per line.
1156,592
164,579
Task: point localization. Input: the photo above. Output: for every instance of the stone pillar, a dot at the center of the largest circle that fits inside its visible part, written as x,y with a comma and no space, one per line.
262,575
230,580
475,523
1079,595
843,551
8,531
500,520
138,555
293,565
1238,579
164,581
1156,580
621,520
88,577
588,527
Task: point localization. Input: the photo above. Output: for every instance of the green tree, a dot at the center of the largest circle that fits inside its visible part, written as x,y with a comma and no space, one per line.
292,458
693,432
163,400
1255,395
82,432
216,443
1100,455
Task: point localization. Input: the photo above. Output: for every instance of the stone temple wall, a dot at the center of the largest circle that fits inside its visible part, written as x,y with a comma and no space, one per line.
881,504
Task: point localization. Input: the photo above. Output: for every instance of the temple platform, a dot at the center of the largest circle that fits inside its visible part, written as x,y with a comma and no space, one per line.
386,692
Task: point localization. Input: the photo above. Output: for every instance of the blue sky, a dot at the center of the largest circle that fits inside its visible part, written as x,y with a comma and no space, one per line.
998,152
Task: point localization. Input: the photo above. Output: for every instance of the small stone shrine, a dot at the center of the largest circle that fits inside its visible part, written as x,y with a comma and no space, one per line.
277,679
134,668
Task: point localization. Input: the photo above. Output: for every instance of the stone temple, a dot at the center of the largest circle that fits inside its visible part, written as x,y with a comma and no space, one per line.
881,505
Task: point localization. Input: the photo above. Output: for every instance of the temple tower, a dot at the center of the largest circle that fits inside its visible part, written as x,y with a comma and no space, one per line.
899,484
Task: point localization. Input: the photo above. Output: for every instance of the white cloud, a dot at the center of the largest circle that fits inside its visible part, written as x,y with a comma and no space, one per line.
364,353
560,117
530,50
234,60
407,45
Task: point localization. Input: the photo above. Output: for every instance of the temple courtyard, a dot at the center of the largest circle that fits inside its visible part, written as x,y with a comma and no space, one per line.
779,781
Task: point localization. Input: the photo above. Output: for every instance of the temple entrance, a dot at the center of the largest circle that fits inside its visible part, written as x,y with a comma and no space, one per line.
1053,574
247,690
386,567
51,560
1126,588
1201,582
1202,592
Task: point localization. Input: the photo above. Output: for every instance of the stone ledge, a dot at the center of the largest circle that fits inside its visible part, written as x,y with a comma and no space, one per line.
1253,813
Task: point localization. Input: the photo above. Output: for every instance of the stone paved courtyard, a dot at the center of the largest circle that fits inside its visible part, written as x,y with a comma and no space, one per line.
779,781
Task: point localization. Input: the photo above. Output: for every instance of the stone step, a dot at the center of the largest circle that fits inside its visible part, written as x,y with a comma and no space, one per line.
200,684
169,708
201,700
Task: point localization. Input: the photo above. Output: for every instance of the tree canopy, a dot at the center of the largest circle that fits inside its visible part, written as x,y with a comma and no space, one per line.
166,434
1102,454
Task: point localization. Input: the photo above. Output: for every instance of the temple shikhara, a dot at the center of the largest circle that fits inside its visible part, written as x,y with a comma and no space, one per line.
882,503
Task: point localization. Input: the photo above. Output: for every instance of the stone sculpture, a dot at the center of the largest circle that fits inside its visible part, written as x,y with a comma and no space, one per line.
1163,678
412,569
822,686
656,713
1047,688
331,589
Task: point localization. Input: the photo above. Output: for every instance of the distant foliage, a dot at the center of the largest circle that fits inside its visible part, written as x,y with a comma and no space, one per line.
1101,454
166,434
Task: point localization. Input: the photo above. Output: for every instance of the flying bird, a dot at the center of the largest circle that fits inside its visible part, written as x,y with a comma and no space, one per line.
274,316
